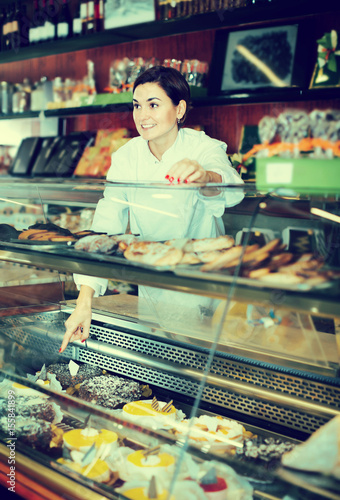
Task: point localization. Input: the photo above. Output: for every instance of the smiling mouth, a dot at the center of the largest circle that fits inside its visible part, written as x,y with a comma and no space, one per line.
147,127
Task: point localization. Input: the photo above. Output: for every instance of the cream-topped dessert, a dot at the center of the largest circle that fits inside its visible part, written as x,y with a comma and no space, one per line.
218,431
98,470
141,493
142,490
83,439
23,390
148,465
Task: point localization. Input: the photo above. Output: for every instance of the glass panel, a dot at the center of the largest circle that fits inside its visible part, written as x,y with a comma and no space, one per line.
224,335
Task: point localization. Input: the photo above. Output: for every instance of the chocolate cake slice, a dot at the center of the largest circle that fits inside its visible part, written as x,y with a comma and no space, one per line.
110,391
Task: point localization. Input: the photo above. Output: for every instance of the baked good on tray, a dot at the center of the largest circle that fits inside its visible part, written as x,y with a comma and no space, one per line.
46,232
8,232
109,391
152,413
83,439
35,433
98,470
32,407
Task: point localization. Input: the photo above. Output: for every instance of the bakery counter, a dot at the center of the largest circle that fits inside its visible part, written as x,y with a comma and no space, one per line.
229,415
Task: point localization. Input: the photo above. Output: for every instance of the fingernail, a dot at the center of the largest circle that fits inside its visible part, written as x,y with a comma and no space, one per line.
83,340
167,176
60,350
171,179
178,180
186,181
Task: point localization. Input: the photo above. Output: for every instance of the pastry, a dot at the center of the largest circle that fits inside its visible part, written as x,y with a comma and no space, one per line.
98,470
35,433
8,232
63,374
32,407
109,391
23,390
97,243
219,433
83,439
143,465
145,413
209,244
153,253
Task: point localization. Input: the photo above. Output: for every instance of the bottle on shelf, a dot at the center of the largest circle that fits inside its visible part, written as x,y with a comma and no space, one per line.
98,15
19,35
84,16
34,27
76,22
64,21
7,29
51,21
44,25
90,17
2,20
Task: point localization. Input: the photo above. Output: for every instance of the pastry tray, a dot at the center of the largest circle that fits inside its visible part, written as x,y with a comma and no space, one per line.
66,248
194,272
37,243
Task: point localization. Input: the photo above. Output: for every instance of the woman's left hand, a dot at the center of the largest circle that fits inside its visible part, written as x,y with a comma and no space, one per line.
188,171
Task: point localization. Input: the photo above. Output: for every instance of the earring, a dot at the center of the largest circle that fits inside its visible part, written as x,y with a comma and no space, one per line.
178,120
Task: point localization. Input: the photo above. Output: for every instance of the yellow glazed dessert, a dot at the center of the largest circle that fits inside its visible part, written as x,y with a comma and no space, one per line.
150,465
141,493
23,390
83,439
143,413
98,471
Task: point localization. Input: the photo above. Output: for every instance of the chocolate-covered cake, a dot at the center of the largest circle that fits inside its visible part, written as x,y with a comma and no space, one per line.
63,374
32,407
34,433
110,391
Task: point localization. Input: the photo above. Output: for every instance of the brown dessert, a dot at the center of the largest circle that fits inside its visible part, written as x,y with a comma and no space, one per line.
110,391
63,374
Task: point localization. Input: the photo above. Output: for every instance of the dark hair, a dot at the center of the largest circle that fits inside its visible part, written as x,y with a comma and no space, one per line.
171,81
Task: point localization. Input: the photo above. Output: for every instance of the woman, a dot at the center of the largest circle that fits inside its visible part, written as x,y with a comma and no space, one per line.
163,152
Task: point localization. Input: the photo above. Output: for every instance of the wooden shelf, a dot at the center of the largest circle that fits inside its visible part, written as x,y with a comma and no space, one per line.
252,14
272,95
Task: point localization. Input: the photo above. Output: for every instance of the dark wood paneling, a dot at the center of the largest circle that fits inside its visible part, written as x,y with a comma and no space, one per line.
223,122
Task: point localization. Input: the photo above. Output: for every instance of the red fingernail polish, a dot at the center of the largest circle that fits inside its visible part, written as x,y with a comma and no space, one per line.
171,179
60,350
178,180
83,340
186,181
167,176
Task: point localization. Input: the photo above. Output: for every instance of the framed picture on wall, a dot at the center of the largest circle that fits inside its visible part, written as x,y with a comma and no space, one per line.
254,59
127,12
327,67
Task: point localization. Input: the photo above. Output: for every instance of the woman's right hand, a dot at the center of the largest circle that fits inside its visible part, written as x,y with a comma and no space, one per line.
78,324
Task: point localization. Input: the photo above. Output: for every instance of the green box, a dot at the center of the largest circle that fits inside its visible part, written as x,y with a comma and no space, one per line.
126,97
106,99
301,175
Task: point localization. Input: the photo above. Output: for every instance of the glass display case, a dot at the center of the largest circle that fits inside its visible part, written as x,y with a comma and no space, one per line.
200,383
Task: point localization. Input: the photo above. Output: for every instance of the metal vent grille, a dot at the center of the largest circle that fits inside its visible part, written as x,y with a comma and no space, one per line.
147,346
39,344
220,397
269,379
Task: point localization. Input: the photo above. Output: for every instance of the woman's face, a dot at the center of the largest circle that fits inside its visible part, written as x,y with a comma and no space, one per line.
154,113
